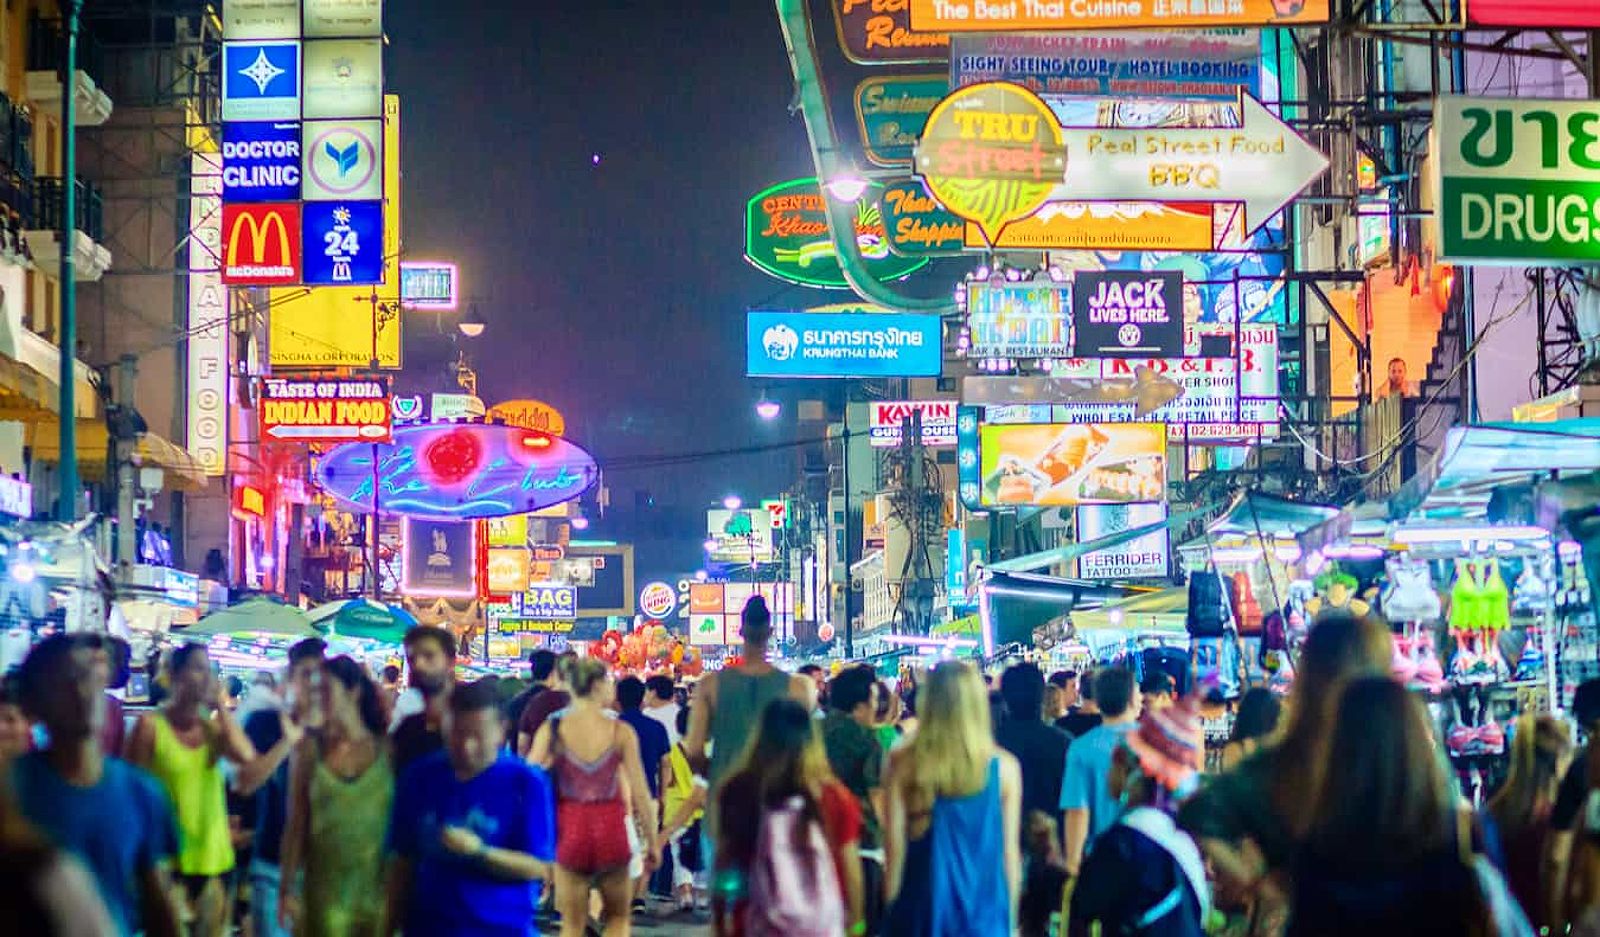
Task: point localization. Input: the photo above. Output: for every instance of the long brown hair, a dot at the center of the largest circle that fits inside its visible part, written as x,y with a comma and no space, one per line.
1539,746
785,759
1340,647
1384,769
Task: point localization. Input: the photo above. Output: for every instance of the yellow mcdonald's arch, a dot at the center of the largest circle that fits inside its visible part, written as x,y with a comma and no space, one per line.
332,326
259,231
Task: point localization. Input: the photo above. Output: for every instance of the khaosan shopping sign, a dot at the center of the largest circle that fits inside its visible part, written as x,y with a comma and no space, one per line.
786,235
459,471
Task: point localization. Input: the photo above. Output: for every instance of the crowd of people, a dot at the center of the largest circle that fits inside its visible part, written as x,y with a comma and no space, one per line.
808,803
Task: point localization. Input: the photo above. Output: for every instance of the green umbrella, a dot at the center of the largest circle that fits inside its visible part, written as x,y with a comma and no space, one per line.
258,615
363,619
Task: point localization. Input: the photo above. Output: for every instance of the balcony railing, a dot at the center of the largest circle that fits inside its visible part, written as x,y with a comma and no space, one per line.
47,49
48,195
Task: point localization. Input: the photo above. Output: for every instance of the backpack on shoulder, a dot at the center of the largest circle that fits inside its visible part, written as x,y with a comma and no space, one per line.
794,888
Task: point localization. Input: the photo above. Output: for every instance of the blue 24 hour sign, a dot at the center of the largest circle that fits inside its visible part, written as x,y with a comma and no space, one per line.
343,243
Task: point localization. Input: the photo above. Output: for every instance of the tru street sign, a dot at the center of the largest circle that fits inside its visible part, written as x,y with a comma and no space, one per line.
1263,164
1519,180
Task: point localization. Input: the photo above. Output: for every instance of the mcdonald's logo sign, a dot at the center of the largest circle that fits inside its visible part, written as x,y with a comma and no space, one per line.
261,244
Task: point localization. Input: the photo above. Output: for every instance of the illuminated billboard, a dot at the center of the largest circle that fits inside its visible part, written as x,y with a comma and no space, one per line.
810,344
886,420
1039,16
1019,320
440,558
1065,465
786,235
325,410
743,536
261,244
448,471
714,609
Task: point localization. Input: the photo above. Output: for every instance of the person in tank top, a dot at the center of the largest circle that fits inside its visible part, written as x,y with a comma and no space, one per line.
340,790
183,747
728,705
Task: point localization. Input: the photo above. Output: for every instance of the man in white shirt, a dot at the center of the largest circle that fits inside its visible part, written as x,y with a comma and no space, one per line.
660,704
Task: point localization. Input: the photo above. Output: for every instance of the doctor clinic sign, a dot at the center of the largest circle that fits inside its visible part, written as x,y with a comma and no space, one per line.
1519,180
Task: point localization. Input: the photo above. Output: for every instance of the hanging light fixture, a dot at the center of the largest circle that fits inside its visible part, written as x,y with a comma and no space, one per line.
472,324
767,408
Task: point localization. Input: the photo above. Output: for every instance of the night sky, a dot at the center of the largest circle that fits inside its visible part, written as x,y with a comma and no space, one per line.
614,291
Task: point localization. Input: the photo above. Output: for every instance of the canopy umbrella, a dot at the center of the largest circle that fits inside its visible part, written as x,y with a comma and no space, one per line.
257,615
363,619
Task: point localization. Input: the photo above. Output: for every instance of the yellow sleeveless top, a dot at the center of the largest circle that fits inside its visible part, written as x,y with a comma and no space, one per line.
193,780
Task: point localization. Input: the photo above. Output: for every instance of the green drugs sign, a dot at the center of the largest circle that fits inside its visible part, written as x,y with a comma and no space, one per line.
916,224
786,235
1519,180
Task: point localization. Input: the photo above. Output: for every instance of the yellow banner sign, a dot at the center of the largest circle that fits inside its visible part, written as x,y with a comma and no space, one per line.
530,414
1111,226
1008,16
333,326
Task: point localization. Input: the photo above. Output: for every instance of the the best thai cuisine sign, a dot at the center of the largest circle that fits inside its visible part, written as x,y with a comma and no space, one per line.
325,410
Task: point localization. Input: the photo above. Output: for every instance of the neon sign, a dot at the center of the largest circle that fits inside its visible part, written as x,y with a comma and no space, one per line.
445,471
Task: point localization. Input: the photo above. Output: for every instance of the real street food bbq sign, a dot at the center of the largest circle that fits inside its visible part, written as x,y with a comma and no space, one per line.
333,410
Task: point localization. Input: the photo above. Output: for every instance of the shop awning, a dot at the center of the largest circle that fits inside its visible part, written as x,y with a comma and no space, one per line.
1164,611
183,471
1252,512
1475,460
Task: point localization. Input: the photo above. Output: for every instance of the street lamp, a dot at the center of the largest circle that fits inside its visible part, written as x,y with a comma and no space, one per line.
848,186
472,324
731,502
710,545
767,408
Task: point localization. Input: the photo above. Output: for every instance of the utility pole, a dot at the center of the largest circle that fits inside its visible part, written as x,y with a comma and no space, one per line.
849,576
372,525
67,502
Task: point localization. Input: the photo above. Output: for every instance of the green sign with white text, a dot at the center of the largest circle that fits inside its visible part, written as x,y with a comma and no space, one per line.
786,234
1519,180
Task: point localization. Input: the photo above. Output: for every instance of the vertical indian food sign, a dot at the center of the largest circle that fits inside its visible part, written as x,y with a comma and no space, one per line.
207,384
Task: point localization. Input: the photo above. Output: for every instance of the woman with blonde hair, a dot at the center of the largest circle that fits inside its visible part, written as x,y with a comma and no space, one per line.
953,829
1516,821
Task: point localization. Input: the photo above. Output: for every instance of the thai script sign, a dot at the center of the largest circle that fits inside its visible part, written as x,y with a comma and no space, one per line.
809,344
1519,180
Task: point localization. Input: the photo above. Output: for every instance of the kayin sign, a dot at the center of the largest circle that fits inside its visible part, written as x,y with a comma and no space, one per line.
887,419
337,410
786,234
991,153
1519,180
1128,313
878,32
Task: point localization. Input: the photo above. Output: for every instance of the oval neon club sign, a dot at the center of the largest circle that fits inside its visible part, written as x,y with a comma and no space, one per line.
453,471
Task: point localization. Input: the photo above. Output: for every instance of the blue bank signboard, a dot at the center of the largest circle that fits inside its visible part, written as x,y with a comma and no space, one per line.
822,344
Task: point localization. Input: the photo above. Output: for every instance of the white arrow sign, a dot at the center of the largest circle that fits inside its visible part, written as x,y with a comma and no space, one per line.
1263,164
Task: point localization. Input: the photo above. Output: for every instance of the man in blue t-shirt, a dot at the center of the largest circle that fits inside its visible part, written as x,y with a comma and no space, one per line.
472,830
1087,804
113,817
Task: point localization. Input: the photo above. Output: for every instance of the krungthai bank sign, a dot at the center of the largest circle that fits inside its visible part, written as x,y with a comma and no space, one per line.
261,244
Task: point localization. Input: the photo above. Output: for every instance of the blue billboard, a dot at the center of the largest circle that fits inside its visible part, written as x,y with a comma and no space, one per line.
261,80
343,243
261,161
826,344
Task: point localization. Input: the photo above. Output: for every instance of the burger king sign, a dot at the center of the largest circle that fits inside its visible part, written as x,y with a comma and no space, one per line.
657,600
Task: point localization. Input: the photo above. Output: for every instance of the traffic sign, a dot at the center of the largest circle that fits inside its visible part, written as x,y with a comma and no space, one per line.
1263,164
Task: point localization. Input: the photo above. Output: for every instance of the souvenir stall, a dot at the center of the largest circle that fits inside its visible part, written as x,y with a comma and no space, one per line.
1489,609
